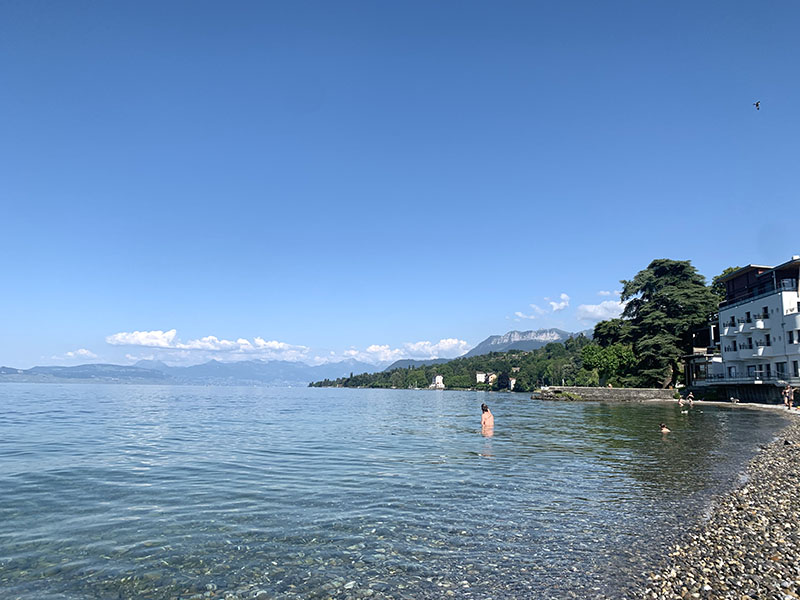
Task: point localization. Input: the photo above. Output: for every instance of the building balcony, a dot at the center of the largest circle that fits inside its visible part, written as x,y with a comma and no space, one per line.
778,379
730,331
760,323
792,321
746,352
786,285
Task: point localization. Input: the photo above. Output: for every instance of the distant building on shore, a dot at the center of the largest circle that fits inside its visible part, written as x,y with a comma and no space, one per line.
758,351
489,378
437,383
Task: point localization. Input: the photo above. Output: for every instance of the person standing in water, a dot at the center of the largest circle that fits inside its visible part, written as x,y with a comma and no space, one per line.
487,420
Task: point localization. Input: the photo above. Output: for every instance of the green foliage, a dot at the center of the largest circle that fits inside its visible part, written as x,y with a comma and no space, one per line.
503,381
613,331
666,301
718,287
545,366
614,364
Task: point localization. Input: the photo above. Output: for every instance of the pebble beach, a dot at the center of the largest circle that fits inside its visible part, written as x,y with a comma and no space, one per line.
748,546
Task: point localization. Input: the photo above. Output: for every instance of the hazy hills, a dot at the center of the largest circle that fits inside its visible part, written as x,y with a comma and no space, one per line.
246,372
261,372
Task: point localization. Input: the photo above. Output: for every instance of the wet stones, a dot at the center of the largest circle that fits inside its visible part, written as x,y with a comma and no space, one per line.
748,546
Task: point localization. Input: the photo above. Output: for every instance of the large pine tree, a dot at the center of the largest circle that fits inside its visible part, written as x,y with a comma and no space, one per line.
666,302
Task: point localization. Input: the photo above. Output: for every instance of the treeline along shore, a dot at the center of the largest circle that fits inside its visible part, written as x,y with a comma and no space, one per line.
665,304
553,364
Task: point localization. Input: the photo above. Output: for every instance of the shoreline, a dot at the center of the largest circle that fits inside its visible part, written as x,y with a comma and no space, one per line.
746,548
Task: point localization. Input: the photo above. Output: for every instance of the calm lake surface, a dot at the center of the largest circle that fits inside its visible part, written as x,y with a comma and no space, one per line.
173,492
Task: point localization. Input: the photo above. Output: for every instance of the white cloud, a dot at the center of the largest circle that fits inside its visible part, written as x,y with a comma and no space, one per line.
537,311
608,309
375,353
449,347
522,315
382,353
133,357
607,293
557,306
208,345
154,339
79,353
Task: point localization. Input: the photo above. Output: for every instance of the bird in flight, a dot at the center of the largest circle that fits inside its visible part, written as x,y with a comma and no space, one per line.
757,104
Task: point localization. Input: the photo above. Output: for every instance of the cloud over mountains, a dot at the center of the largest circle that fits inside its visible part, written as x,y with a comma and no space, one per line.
167,345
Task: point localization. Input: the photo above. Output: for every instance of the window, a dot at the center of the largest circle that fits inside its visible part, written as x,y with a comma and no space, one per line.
732,370
795,369
734,345
769,370
780,369
791,337
767,340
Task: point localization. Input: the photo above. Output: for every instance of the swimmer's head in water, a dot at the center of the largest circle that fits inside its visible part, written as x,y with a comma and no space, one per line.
663,426
484,407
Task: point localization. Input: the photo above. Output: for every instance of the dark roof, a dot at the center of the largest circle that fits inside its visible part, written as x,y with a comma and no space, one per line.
743,270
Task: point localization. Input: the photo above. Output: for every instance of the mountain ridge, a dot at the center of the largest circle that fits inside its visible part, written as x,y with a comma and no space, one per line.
213,372
523,340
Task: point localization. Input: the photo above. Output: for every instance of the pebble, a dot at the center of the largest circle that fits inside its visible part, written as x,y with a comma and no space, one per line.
746,548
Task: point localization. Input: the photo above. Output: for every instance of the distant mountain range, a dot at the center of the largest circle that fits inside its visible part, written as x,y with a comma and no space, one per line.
261,372
523,340
246,372
407,362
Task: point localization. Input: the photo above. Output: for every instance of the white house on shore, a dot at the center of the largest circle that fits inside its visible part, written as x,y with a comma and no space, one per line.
437,383
759,334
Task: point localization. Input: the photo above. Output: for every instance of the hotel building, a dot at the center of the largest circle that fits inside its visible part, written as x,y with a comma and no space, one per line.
759,335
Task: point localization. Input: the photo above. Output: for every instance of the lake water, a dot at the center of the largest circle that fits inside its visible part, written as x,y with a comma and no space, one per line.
173,492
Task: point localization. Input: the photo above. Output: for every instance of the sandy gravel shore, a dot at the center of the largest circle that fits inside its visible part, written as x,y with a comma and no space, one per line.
750,546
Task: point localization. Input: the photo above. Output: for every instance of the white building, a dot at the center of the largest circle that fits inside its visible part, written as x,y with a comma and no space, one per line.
437,383
480,377
759,331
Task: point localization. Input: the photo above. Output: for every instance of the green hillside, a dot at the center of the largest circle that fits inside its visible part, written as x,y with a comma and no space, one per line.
551,365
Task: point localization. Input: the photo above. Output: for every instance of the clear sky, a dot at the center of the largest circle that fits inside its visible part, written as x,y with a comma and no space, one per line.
318,180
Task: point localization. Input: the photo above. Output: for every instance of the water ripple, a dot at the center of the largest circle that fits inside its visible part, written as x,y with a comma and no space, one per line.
158,492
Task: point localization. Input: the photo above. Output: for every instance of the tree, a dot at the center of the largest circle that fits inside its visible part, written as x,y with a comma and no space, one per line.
613,331
503,381
718,287
666,301
614,363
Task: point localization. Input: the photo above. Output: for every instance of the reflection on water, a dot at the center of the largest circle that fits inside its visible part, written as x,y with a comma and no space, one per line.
161,492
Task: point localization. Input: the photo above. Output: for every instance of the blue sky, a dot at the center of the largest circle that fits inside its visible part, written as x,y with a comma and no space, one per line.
322,180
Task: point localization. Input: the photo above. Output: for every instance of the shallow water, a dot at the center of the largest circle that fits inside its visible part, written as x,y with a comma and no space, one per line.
166,492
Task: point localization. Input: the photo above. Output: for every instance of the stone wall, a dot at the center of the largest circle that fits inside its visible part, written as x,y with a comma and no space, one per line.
603,394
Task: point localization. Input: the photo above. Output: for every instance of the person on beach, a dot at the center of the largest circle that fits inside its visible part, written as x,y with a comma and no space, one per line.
680,401
487,420
785,395
664,428
690,398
